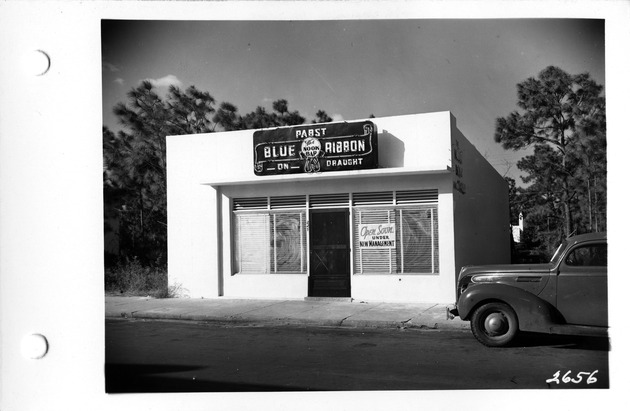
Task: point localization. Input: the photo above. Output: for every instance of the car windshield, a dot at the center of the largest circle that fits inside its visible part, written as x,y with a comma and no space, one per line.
558,253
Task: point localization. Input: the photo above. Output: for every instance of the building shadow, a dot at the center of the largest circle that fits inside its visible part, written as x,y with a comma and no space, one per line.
391,150
154,378
562,341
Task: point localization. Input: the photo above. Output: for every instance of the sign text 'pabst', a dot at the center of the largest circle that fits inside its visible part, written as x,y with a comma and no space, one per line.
315,148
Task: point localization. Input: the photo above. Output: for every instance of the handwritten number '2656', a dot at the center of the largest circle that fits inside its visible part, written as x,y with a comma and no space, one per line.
566,378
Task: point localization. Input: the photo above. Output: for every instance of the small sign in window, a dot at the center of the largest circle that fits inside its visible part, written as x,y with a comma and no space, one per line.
377,235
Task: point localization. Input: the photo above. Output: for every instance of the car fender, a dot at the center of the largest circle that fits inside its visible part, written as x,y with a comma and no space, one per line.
534,313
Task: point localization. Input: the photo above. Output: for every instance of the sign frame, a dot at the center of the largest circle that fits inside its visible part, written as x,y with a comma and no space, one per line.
316,148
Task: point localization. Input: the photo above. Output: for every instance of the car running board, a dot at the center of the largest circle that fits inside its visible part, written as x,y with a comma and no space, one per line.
583,330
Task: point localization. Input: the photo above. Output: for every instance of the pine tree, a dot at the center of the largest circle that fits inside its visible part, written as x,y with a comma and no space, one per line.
134,172
563,117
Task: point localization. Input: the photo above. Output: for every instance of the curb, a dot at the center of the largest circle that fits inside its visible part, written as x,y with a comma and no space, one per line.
452,325
341,314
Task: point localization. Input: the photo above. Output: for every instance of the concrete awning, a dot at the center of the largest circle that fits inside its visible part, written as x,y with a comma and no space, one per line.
330,175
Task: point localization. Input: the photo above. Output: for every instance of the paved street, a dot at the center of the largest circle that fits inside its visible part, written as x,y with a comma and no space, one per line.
178,356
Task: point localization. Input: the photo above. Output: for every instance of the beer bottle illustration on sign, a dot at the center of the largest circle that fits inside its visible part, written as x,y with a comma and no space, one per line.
310,152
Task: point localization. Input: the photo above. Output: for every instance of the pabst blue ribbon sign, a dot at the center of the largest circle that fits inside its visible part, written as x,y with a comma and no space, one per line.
316,148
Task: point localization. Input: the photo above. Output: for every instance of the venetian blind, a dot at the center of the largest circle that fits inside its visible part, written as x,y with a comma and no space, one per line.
416,250
270,234
270,242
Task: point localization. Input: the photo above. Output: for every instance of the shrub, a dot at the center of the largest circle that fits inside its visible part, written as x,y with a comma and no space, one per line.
132,278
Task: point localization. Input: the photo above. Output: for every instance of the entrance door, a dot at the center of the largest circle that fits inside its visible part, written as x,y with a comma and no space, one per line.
329,274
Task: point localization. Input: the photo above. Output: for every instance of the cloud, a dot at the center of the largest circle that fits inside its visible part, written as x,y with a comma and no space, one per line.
119,81
337,117
165,82
110,67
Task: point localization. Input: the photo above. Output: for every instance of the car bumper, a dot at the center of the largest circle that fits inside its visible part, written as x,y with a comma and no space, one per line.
451,311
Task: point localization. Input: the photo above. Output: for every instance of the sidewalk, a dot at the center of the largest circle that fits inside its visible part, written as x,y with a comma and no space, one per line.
333,313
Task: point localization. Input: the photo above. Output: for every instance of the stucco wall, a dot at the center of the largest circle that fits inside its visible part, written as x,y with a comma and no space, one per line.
418,141
192,222
482,227
414,141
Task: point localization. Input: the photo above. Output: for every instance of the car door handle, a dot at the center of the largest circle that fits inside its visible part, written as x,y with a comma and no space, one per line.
528,279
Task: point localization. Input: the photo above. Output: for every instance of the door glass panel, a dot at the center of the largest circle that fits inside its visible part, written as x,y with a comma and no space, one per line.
589,256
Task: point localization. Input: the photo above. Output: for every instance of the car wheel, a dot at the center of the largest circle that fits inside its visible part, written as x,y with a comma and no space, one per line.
494,324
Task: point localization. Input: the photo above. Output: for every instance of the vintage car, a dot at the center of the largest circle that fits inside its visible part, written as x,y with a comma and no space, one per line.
568,295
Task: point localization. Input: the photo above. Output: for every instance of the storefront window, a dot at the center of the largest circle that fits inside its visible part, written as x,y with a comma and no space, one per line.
395,232
270,242
396,240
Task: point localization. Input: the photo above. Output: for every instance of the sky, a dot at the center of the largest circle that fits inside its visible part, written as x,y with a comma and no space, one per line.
355,68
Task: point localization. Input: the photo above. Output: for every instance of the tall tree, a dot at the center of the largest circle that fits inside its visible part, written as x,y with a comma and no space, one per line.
228,118
280,116
591,152
134,172
135,161
559,115
322,117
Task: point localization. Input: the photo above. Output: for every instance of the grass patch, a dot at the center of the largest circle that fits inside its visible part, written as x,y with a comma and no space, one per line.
131,278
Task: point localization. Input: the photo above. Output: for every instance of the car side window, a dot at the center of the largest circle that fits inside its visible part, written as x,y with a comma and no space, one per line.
588,256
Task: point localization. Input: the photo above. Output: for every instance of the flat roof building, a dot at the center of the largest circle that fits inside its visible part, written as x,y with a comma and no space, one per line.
383,209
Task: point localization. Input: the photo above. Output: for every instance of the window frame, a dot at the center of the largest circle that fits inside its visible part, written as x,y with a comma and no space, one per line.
397,256
271,253
591,247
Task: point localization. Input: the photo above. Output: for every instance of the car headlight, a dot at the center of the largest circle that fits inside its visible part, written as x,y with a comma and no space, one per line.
463,285
484,278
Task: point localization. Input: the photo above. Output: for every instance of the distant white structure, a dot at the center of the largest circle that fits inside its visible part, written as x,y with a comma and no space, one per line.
517,230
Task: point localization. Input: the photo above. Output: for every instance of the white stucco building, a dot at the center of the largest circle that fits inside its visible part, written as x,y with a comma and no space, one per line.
388,214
